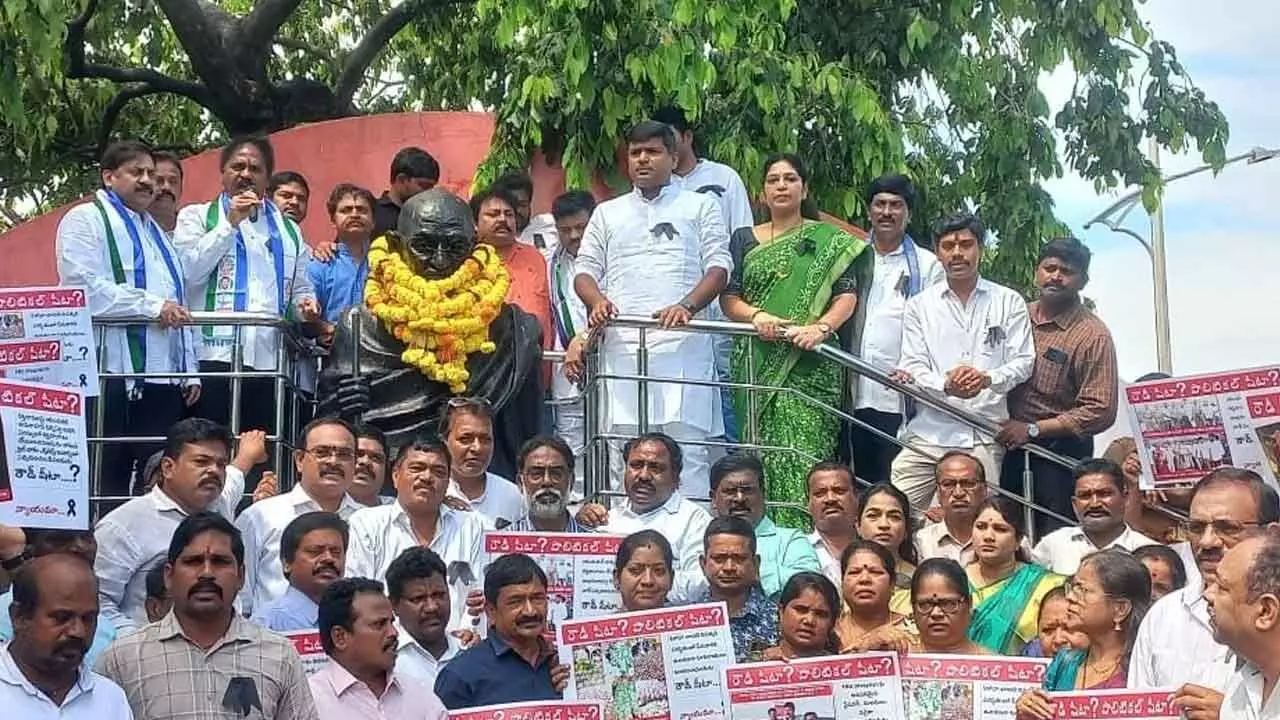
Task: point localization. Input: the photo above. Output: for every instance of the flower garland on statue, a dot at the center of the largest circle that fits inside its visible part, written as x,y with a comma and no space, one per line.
440,321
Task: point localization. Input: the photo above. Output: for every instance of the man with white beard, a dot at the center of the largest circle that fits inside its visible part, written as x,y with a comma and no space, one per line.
545,472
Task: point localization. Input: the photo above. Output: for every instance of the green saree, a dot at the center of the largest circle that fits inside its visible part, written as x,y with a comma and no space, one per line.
792,277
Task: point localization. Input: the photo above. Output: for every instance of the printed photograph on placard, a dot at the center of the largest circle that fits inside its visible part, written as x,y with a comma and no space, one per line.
628,677
12,327
810,708
938,699
6,487
1268,436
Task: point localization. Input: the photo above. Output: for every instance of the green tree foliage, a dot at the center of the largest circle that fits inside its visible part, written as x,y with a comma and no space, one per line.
946,90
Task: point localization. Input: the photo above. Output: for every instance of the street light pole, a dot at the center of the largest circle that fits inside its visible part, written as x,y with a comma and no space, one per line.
1113,219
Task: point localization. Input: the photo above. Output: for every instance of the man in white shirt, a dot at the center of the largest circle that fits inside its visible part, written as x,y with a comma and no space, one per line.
1244,609
1175,644
42,671
970,340
962,487
194,477
419,591
659,251
572,211
725,185
896,271
833,505
244,255
326,461
467,428
419,518
361,679
654,502
129,268
1099,500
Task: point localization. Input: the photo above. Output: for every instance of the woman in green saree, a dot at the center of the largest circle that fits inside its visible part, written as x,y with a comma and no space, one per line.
793,280
1007,589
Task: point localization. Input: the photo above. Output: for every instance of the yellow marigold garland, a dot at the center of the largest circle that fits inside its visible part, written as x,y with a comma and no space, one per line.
440,321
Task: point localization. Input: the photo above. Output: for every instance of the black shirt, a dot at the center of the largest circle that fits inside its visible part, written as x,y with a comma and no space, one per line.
386,215
491,673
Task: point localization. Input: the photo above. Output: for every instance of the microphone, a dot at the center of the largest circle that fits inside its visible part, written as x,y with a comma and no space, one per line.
253,214
247,184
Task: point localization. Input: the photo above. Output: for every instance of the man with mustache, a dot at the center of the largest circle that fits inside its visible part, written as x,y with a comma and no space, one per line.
419,518
291,193
203,659
731,565
1244,609
967,339
325,461
515,663
1072,393
417,582
42,669
164,208
546,471
467,429
371,467
1175,645
962,487
194,477
339,281
313,552
358,632
654,502
496,225
897,271
737,490
571,212
833,505
1099,501
660,251
114,248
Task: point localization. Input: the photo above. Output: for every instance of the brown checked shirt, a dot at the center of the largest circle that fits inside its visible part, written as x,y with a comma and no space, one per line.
1075,378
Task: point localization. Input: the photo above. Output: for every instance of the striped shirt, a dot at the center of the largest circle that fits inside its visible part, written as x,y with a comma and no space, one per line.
1075,378
571,525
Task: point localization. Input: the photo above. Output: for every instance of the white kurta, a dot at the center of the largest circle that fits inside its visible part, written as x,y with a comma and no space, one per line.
561,269
84,258
647,255
724,184
210,251
881,341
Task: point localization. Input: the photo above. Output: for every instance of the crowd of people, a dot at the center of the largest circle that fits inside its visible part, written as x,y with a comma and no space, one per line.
177,597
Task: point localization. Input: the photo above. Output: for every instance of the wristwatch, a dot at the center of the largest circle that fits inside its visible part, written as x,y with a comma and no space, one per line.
1033,430
688,306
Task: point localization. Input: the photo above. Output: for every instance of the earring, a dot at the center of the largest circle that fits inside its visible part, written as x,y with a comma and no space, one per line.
1119,627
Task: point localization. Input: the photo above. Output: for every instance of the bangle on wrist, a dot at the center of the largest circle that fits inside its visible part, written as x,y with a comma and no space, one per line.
13,563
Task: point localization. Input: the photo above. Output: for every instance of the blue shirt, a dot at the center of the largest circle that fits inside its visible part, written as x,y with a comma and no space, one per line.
292,611
755,629
339,283
102,637
492,673
783,552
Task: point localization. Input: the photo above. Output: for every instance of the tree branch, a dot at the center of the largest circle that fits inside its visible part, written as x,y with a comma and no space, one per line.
117,104
374,42
304,47
262,24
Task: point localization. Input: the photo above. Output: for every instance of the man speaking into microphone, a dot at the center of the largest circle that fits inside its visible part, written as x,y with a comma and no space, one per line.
244,255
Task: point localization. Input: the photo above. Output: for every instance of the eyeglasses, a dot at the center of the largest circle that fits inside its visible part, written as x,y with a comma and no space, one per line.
1229,529
966,485
328,452
1072,586
949,606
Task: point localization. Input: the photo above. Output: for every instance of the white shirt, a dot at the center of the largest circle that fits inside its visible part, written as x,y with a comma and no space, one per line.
135,537
725,186
379,535
881,341
682,523
93,697
642,272
261,525
543,224
501,500
212,253
84,258
413,662
991,333
1062,550
561,269
1175,645
1242,700
830,563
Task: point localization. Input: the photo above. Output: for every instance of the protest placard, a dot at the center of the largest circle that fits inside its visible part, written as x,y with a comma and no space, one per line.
307,643
967,687
46,337
1115,705
545,710
44,474
1186,427
579,568
665,664
844,687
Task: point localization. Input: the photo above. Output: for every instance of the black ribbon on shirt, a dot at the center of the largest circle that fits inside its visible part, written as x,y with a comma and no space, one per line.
242,696
995,336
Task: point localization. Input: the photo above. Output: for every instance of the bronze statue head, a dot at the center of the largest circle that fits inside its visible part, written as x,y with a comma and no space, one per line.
436,233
